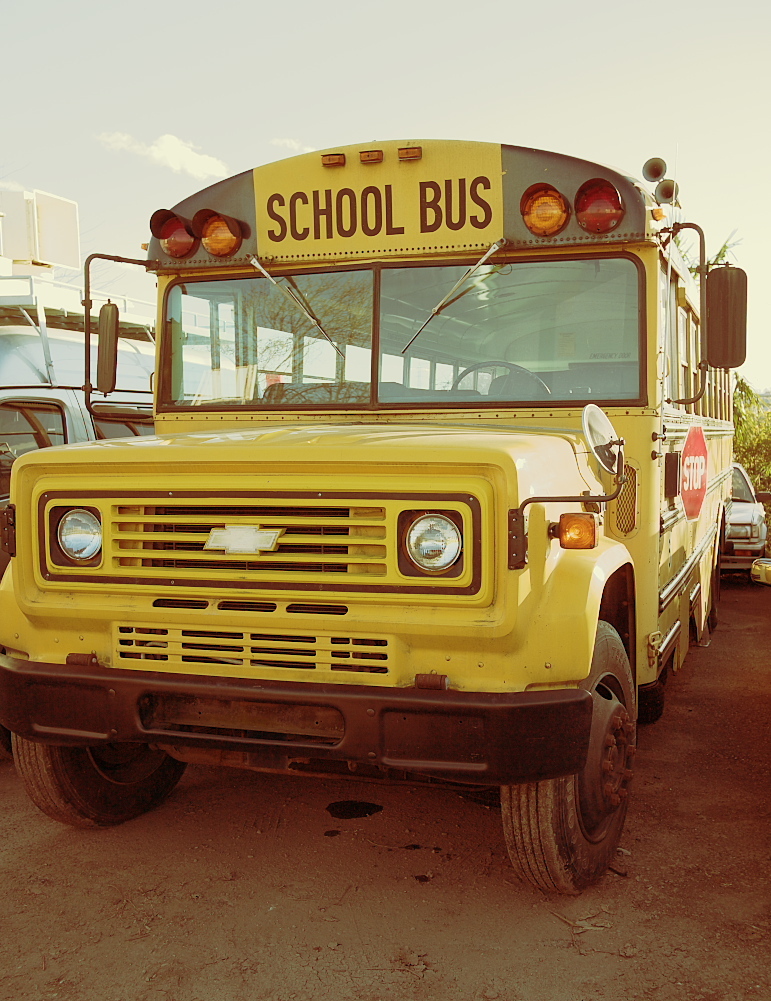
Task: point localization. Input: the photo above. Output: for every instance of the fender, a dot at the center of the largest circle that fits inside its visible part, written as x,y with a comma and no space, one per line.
562,630
15,622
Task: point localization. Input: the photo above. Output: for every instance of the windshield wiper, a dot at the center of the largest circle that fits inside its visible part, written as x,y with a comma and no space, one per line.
444,301
298,299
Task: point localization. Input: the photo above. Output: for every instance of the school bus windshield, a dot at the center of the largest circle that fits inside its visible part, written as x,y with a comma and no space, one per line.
537,332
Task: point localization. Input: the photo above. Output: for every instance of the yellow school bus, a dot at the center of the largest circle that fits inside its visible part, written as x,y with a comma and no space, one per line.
442,451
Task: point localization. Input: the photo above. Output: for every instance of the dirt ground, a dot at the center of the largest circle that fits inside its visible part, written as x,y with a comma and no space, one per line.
244,887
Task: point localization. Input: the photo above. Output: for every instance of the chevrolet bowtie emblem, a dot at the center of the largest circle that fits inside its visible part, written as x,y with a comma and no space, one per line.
244,539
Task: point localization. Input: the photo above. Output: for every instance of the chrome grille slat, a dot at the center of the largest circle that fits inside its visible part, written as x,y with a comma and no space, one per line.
318,540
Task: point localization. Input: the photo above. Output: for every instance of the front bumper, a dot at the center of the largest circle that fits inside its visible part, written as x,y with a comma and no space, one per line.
478,738
739,554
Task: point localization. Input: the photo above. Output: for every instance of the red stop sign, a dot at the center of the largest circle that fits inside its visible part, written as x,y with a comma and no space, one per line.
693,487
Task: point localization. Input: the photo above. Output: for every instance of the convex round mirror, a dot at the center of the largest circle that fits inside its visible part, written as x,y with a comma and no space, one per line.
602,438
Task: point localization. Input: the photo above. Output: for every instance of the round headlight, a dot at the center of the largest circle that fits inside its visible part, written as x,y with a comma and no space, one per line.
79,534
433,542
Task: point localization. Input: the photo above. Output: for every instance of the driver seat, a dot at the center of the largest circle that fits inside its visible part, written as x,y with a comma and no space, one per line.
516,386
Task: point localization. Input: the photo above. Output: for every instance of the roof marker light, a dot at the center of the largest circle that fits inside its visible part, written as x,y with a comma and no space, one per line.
333,159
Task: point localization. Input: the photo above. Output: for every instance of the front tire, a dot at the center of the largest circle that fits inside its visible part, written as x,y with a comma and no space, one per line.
95,786
562,833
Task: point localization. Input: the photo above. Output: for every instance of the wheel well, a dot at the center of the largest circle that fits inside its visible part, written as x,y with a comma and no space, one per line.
617,608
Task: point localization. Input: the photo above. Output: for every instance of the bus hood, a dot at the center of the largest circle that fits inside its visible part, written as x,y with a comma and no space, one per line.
538,459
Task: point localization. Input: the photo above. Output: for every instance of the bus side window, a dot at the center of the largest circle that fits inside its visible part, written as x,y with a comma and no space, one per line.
24,427
669,334
684,390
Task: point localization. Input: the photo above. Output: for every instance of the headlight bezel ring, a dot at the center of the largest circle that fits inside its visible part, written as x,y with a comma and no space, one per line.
409,528
66,554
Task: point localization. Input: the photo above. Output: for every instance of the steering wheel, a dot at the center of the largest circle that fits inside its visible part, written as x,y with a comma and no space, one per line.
505,364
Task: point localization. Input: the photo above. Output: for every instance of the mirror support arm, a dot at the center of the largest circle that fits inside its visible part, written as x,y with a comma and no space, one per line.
702,271
86,303
517,531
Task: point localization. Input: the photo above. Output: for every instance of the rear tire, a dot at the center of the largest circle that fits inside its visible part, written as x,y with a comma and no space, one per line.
95,786
714,598
715,582
563,833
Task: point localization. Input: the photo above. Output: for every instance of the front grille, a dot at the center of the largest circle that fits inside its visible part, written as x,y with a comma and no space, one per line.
320,540
199,546
241,652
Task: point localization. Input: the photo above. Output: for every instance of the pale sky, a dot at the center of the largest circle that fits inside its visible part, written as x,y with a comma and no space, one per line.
127,108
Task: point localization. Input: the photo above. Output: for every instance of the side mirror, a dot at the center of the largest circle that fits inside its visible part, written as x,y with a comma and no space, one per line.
760,572
726,317
763,497
107,355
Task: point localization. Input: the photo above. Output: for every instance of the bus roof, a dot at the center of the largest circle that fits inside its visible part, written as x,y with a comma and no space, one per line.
394,200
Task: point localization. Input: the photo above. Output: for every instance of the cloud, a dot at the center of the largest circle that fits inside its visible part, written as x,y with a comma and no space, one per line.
169,151
294,144
10,186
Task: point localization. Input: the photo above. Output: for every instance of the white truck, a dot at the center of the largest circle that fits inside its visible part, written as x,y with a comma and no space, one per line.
42,361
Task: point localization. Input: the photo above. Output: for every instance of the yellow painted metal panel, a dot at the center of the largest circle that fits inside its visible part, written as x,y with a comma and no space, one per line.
448,200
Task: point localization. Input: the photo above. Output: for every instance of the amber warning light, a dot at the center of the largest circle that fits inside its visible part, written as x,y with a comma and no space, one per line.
544,210
220,235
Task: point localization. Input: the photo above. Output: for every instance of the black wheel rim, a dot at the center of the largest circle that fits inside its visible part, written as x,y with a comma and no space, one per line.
125,764
602,785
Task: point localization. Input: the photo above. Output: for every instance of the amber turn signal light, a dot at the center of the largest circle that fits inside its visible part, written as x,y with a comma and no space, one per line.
576,530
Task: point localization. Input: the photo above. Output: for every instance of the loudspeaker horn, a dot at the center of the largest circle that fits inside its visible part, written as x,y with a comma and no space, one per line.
654,169
666,192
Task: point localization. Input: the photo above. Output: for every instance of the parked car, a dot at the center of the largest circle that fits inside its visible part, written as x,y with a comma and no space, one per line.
746,531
